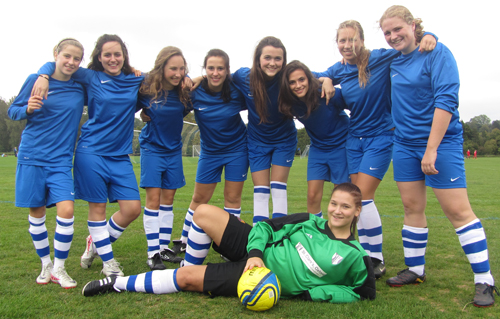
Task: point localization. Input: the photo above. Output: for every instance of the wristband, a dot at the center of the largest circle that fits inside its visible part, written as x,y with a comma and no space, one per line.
43,76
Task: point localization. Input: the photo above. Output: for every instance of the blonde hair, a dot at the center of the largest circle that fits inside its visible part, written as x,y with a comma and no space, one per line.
65,42
364,54
404,14
153,83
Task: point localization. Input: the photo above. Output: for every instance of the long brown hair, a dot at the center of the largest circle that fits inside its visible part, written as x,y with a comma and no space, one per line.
364,54
226,86
355,192
257,80
96,65
287,98
153,83
404,14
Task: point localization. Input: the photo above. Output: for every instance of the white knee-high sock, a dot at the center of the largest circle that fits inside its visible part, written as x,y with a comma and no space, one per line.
415,243
187,225
261,196
280,204
152,229
235,211
166,217
370,230
154,282
40,237
473,241
100,236
198,246
62,240
114,230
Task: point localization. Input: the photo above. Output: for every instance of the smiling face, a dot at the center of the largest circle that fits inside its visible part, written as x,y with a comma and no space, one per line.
341,212
111,58
67,62
298,82
216,73
349,44
173,72
271,61
399,34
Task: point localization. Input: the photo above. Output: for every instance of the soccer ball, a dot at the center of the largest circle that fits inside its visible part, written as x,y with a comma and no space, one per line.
259,289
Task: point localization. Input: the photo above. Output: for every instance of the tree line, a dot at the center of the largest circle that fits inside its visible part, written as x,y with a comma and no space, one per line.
480,133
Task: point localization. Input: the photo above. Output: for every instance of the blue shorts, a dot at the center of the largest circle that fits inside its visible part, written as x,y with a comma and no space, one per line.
98,178
262,157
327,165
370,155
449,163
210,168
162,171
38,186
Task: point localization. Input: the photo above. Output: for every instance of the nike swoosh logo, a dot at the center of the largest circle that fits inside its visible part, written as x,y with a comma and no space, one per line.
454,179
158,102
243,175
72,193
201,108
395,74
250,95
373,168
105,81
288,161
50,92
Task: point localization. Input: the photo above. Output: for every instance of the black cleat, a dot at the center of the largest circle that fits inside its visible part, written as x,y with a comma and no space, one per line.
155,262
179,247
484,295
168,255
99,287
378,267
405,277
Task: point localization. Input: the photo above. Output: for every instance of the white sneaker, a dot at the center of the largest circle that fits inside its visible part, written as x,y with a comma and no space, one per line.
112,268
44,277
61,277
89,254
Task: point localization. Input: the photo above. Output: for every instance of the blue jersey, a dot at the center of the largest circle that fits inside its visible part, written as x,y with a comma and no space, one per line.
162,135
112,102
327,125
222,130
370,106
278,129
421,83
50,134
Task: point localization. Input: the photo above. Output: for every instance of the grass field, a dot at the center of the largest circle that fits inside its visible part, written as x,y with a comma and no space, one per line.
447,293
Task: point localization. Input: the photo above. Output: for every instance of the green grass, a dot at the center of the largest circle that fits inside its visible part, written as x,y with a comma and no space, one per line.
446,294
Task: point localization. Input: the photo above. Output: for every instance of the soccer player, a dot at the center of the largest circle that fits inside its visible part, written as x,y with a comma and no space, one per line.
272,138
102,165
366,91
217,106
43,176
428,151
468,154
475,154
314,258
326,125
165,103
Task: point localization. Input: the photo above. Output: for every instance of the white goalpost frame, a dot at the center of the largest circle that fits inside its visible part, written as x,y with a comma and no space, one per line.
305,153
196,150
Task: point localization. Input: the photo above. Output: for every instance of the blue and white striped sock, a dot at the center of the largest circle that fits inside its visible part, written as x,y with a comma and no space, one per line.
152,229
114,230
62,240
320,214
415,243
198,246
187,225
100,236
235,211
166,217
154,282
261,196
370,229
473,241
280,203
40,237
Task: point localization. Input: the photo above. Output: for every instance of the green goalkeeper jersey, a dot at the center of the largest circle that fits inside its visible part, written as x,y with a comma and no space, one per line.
310,262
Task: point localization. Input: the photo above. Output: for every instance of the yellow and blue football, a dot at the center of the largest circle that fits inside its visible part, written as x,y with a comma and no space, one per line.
259,289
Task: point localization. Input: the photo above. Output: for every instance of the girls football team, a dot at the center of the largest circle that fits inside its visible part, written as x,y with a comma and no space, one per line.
403,106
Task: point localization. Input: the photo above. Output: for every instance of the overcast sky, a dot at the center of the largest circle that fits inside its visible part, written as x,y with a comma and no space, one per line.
30,29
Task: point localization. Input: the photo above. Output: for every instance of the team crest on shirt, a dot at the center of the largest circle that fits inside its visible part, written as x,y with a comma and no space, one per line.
337,259
309,235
